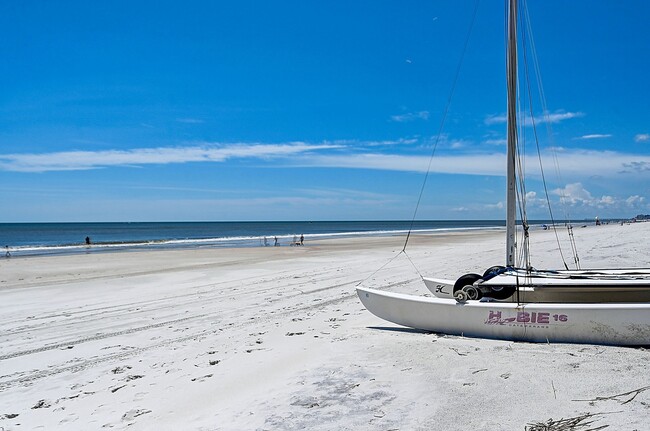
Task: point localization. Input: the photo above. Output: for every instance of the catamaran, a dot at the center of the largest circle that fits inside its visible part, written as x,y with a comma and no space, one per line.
599,306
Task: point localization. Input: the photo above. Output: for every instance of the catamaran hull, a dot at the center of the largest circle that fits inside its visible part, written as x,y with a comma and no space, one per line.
608,324
439,287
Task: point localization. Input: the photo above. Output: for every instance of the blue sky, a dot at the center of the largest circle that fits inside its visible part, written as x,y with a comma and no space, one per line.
294,110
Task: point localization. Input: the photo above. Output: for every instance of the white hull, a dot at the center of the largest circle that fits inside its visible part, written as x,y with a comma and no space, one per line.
613,324
439,287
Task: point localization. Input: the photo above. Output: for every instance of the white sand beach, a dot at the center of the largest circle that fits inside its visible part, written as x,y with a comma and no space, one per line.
275,338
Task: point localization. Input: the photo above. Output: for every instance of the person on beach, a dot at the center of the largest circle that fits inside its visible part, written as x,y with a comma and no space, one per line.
275,241
302,239
7,254
87,240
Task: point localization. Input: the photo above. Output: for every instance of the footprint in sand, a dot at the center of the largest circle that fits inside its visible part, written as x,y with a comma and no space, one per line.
117,388
134,413
42,404
133,377
202,378
120,370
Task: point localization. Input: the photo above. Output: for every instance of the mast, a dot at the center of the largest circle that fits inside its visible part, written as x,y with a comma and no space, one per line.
511,69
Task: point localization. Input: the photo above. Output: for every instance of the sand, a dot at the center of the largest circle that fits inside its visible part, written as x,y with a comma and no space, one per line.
274,338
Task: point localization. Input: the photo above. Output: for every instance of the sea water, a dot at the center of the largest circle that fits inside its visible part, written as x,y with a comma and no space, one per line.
50,238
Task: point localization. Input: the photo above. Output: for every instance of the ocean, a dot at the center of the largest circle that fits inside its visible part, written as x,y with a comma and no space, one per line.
22,239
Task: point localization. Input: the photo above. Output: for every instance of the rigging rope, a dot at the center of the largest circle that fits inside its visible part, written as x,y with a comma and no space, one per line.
387,263
556,164
534,125
442,123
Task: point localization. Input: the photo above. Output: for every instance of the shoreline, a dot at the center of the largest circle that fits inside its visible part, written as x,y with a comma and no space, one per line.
270,338
126,237
283,240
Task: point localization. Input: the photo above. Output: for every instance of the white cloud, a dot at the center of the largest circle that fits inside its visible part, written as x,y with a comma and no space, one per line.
532,201
559,116
642,137
477,164
410,116
575,163
498,206
585,163
190,120
607,200
444,141
638,166
555,117
499,142
84,160
495,119
576,194
593,136
635,200
357,143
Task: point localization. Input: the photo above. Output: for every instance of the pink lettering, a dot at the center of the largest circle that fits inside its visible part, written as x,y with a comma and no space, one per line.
494,315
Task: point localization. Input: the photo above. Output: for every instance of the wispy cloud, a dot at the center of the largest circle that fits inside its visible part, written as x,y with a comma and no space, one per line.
555,117
477,164
635,200
410,116
496,142
636,166
498,206
559,116
444,141
342,193
572,163
495,119
350,154
190,120
587,163
642,137
84,160
594,136
357,143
